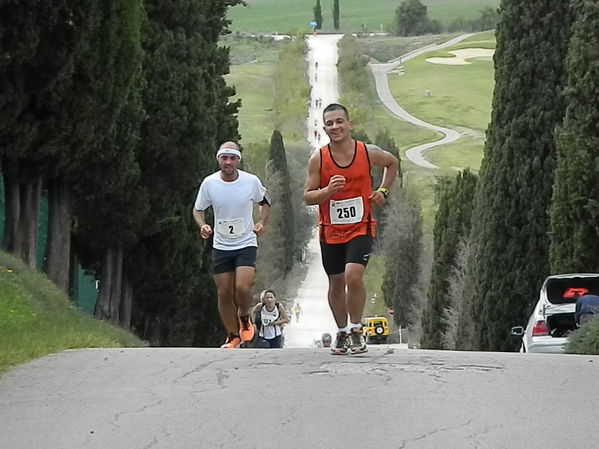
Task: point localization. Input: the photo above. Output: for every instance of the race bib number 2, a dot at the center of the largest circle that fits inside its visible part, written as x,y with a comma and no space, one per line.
347,211
231,229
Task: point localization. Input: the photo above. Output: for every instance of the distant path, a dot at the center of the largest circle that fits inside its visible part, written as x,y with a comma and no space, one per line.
322,50
380,72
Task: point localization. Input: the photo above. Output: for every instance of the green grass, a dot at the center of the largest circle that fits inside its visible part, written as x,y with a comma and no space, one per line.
254,86
460,95
465,152
36,319
266,16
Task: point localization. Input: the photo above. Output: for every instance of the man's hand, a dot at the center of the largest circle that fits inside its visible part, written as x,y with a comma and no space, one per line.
205,231
259,229
377,198
336,183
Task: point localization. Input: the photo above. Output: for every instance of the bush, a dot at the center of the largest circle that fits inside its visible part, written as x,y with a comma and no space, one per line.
586,339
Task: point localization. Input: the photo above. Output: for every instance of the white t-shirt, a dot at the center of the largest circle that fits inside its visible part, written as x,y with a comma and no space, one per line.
233,205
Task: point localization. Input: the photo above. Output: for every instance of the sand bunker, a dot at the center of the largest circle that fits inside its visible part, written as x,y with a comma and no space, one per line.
462,56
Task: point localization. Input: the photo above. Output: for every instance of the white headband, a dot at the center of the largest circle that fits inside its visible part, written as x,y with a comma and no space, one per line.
231,151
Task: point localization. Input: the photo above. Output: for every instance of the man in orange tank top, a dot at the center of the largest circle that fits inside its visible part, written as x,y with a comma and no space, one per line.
339,181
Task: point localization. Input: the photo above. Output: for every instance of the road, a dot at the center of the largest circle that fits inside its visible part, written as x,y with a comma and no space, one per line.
380,73
322,50
192,398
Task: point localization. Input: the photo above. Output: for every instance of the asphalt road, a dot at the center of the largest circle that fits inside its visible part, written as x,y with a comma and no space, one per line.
299,398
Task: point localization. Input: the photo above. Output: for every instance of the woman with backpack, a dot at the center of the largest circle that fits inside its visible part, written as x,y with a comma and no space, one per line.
269,315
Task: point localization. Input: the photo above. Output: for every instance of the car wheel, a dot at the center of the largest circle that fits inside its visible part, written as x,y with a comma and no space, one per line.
379,330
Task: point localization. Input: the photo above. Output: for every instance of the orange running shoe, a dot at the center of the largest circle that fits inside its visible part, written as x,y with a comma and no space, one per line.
246,328
232,342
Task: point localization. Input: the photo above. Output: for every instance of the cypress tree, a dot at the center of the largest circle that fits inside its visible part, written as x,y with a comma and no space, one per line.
286,227
575,207
401,278
318,15
383,140
98,123
40,44
188,115
336,14
510,251
452,226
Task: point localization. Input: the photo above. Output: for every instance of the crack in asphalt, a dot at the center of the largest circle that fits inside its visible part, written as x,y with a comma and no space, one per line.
433,432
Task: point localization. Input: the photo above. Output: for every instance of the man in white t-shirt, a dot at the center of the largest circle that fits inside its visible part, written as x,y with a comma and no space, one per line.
232,194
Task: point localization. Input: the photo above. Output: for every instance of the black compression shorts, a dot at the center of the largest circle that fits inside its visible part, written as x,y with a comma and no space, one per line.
336,256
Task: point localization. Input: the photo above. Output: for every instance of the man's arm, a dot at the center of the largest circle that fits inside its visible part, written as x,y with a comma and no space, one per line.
390,165
264,214
205,228
313,194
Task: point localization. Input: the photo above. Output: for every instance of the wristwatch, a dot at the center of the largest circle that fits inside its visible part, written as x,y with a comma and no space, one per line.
384,191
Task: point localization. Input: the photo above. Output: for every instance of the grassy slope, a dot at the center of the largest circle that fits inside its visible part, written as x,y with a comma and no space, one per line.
36,319
461,98
461,94
264,16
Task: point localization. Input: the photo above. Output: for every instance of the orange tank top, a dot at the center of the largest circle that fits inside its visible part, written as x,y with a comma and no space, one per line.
348,213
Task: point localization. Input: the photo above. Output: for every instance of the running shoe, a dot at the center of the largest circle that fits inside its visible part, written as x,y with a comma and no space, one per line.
357,344
340,346
246,328
232,342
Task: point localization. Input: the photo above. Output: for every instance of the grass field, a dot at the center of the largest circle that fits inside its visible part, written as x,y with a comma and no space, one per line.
460,94
36,319
253,83
285,16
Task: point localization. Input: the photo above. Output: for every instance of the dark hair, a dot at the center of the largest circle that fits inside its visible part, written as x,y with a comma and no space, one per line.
264,292
335,107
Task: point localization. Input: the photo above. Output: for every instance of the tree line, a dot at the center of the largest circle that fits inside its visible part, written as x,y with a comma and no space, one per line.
113,110
532,211
116,126
411,19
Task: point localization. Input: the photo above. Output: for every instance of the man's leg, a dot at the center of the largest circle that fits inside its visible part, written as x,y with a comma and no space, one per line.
225,283
358,255
356,293
356,299
337,299
337,302
244,277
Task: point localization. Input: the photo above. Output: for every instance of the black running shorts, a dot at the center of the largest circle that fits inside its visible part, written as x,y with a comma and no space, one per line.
336,256
227,261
